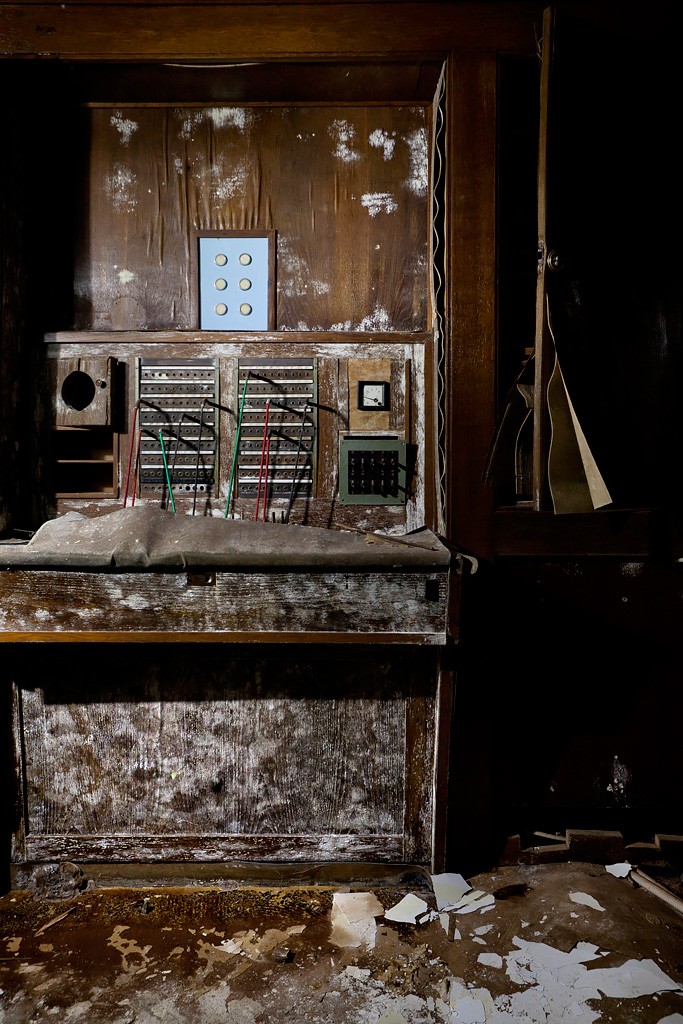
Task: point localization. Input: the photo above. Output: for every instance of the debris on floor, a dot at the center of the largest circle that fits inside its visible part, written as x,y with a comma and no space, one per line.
536,944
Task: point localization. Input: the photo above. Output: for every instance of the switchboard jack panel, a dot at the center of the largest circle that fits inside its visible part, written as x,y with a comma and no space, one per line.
178,417
372,471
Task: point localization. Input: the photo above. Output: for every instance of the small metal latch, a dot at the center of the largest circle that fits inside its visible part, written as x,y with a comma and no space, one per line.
201,579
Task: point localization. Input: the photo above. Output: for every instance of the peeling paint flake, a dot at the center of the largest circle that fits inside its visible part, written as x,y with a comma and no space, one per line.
585,899
449,888
353,919
407,910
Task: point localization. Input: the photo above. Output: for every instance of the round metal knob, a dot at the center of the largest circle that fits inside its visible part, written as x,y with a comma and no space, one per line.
554,260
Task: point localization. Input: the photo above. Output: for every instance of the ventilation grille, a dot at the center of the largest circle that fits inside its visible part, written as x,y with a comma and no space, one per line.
178,417
277,440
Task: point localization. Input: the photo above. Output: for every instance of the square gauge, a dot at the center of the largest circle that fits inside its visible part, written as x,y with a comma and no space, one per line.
373,394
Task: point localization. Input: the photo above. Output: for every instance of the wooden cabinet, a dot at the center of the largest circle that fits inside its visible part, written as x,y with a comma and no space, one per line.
261,711
168,754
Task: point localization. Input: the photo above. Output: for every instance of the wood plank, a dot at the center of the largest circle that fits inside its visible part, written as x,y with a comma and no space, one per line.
234,754
262,31
419,751
544,349
86,604
352,237
442,756
118,849
227,636
221,753
17,805
220,342
471,372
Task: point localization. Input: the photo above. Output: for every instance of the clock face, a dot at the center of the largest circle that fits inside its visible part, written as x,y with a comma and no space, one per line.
373,394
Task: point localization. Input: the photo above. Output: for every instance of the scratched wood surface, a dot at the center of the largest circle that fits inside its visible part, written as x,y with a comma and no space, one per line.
409,606
345,188
211,756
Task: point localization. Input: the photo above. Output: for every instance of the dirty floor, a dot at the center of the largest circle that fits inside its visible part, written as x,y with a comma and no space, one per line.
568,943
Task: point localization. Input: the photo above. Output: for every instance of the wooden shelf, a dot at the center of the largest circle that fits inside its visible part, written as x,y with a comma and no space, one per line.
626,533
115,342
85,462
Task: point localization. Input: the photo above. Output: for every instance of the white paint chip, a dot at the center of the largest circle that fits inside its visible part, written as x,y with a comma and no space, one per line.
483,929
449,888
360,973
585,899
473,901
490,960
632,980
469,1010
353,919
618,870
407,910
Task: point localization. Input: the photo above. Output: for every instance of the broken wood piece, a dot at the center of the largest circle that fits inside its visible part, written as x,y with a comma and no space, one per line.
55,920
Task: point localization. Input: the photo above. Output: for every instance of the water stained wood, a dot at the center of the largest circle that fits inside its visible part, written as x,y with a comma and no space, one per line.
176,757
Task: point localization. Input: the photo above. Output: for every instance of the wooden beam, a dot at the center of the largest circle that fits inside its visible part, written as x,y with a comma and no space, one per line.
268,607
227,32
471,275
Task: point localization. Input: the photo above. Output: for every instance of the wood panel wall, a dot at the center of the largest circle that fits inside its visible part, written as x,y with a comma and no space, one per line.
169,754
346,189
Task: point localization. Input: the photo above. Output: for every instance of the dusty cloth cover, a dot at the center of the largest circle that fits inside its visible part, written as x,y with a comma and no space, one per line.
144,537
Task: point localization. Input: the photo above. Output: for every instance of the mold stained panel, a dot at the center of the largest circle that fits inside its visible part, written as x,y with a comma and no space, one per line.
247,747
345,188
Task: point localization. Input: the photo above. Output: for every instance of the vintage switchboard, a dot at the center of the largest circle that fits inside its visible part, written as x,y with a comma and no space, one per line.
237,490
246,429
